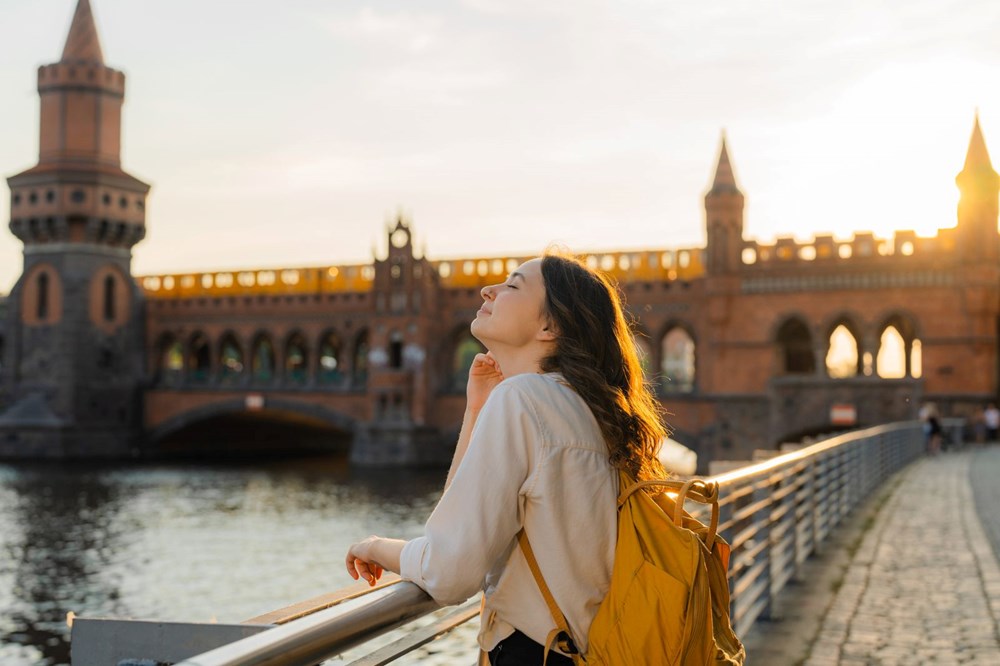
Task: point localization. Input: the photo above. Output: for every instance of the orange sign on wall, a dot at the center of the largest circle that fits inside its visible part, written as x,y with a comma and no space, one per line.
843,414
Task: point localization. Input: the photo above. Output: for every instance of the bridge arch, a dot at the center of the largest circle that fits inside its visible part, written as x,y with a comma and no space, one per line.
899,347
168,361
794,342
329,358
232,359
678,356
359,359
263,362
844,347
198,358
242,424
296,358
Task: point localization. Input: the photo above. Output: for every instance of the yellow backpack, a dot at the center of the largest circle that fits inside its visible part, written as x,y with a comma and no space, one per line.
668,602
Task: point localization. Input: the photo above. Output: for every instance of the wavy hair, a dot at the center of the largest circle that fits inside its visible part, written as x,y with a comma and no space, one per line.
596,353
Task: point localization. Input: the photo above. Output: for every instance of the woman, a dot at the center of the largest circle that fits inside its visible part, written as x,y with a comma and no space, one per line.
554,409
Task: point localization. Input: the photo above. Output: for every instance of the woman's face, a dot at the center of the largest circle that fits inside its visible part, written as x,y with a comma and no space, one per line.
513,312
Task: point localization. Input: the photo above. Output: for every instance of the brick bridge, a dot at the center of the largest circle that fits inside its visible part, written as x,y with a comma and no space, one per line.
748,344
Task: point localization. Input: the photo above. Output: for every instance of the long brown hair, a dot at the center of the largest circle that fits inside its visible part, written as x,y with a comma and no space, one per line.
596,353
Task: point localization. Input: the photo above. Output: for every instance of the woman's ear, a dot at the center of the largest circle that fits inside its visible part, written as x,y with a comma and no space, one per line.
547,334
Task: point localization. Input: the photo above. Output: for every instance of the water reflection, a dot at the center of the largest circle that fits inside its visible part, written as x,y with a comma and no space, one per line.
57,538
183,542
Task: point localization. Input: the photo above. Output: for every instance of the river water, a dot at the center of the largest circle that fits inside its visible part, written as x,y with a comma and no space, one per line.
185,542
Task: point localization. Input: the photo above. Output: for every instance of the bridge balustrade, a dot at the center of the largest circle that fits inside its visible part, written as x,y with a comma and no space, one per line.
774,514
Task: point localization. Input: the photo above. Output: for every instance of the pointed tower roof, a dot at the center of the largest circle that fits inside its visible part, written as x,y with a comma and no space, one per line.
978,157
724,181
83,44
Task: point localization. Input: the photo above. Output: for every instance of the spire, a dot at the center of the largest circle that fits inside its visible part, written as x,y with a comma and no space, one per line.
83,44
978,157
724,181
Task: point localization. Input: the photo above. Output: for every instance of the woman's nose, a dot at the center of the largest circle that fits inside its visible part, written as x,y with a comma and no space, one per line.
487,292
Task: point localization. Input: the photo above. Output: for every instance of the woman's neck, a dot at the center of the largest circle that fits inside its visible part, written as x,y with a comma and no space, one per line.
520,361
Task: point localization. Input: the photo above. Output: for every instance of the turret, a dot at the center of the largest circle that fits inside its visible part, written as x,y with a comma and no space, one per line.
75,314
77,192
979,185
724,218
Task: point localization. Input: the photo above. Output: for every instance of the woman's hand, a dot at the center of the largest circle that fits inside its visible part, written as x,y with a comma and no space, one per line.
484,375
369,558
361,561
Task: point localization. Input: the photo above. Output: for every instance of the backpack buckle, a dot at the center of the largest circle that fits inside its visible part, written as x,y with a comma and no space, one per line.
565,643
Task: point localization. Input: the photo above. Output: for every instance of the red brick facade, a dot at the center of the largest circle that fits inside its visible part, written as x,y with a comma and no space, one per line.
736,334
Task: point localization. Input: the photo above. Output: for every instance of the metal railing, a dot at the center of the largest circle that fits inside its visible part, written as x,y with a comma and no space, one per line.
774,514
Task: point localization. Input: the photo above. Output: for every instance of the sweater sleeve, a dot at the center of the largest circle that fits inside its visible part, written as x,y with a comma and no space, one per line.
479,514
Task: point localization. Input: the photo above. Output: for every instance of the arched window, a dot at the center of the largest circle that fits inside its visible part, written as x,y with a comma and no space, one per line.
899,350
842,358
795,344
296,359
230,359
43,296
395,350
891,361
170,361
262,360
200,359
677,362
329,359
359,374
109,298
916,359
461,360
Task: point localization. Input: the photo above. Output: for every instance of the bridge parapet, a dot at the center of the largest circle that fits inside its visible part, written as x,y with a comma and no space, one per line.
863,247
774,514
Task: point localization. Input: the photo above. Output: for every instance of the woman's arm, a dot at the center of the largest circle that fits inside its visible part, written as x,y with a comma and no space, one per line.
484,375
367,559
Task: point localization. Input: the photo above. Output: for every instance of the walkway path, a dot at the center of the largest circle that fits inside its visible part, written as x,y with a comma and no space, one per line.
924,586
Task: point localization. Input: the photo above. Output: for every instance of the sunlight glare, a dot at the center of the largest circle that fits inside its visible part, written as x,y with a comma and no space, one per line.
891,360
842,359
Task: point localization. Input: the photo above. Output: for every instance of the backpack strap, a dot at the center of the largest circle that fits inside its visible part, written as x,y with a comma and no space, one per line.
699,490
560,636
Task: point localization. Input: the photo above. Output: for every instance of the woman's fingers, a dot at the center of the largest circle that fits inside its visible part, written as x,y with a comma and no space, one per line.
358,568
358,565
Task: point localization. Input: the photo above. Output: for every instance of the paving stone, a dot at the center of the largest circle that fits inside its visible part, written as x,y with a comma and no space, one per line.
924,585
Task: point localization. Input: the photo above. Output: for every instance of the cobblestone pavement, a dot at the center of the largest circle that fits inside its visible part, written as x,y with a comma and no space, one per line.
924,586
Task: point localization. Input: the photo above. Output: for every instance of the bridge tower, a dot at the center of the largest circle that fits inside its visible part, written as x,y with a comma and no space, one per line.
979,185
406,311
724,219
74,316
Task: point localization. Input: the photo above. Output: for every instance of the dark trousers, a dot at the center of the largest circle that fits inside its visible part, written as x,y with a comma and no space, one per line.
519,650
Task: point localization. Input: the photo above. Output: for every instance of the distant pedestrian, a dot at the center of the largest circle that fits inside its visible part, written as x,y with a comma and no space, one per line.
991,417
932,427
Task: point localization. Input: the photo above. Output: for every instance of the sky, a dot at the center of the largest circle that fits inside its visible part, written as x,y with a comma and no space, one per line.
288,133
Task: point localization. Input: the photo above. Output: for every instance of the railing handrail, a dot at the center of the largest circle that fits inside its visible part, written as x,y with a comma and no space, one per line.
728,478
316,637
819,483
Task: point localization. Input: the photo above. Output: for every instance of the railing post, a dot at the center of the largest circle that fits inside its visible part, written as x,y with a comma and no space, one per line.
762,520
812,482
